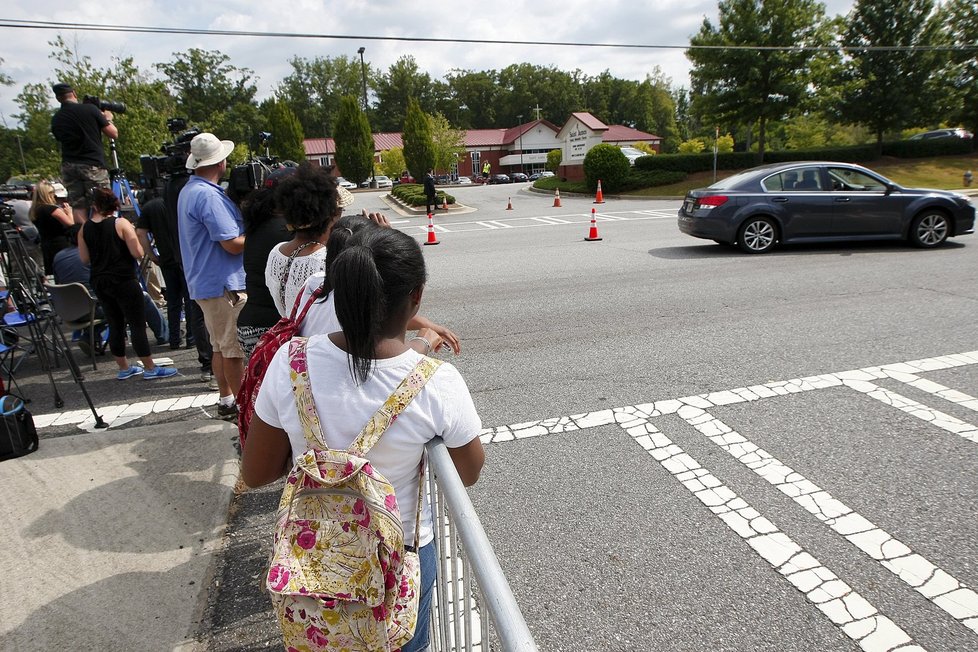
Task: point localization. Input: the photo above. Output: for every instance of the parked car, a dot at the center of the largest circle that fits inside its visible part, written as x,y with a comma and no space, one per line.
632,153
519,177
349,185
500,178
443,179
809,201
464,181
382,182
541,174
943,133
406,178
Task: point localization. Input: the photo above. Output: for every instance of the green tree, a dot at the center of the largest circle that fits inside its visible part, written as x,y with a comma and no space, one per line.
213,93
743,86
960,25
419,149
524,86
554,157
692,146
392,162
286,131
475,93
354,141
447,141
880,88
403,81
725,143
314,87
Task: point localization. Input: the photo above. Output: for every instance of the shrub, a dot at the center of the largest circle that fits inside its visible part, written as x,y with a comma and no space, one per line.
697,162
554,157
639,179
552,183
930,147
692,146
853,154
412,194
608,164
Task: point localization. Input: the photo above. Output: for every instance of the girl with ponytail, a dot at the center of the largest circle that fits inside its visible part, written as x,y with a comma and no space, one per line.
377,285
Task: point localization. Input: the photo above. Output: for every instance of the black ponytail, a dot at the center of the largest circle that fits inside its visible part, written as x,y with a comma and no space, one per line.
372,281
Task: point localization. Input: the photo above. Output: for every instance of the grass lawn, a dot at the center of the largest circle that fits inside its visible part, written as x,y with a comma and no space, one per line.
941,172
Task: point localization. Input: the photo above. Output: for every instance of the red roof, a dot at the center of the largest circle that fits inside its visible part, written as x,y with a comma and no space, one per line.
493,137
623,134
590,121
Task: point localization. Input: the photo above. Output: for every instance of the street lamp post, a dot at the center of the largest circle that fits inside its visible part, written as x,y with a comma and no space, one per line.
520,118
363,72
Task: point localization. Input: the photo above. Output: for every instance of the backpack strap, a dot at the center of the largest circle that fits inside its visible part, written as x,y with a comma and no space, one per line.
394,405
312,430
318,292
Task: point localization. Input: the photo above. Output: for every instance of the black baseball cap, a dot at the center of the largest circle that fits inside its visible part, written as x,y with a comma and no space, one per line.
62,89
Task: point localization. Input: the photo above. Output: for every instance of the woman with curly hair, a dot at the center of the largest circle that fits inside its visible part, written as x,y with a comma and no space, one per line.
310,200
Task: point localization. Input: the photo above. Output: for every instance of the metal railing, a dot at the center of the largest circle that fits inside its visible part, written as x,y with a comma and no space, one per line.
471,591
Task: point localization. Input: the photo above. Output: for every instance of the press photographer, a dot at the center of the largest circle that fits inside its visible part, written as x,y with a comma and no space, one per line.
79,127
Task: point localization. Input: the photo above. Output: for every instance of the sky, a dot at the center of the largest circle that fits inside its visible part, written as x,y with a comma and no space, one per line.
26,52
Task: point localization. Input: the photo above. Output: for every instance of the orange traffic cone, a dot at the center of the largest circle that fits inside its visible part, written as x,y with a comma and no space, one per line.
509,206
444,203
431,232
593,233
557,198
599,197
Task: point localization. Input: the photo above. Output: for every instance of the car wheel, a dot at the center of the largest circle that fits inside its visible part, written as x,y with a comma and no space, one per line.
758,235
930,229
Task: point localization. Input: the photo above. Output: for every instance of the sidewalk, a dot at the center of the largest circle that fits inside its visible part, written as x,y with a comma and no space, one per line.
109,539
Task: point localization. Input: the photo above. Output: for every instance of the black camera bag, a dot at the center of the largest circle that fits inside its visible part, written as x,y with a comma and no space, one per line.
18,436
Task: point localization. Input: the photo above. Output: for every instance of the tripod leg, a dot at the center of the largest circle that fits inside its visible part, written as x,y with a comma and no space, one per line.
76,375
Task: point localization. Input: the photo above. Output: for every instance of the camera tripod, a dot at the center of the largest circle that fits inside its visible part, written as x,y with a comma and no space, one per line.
120,184
25,283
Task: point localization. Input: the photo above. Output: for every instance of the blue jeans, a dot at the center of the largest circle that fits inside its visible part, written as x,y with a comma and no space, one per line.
429,569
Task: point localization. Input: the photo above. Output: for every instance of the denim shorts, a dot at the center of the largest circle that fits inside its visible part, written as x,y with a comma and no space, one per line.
429,569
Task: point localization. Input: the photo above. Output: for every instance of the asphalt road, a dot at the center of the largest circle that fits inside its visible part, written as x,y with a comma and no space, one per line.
628,519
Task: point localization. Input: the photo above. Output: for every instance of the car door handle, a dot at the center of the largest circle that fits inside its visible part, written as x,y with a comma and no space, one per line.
842,199
780,200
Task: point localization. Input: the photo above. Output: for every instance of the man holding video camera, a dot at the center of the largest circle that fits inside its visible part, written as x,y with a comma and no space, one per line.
79,127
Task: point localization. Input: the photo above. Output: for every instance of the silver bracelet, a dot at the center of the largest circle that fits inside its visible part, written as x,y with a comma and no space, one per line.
427,344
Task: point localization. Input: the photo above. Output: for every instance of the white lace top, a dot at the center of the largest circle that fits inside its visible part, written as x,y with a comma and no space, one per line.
302,268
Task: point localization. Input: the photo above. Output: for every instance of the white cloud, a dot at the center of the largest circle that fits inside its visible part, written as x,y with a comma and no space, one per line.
655,22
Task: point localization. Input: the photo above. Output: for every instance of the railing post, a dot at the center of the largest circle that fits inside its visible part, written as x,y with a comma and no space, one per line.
498,598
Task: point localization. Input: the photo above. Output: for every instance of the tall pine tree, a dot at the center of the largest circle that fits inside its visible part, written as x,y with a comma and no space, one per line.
419,150
354,141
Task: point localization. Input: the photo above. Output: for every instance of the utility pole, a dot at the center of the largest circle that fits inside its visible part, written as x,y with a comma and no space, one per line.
520,118
363,72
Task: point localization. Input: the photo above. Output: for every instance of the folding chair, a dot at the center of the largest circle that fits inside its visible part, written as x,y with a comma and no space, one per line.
75,305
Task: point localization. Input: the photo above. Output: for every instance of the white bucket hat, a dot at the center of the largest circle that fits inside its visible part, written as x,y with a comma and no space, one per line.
206,149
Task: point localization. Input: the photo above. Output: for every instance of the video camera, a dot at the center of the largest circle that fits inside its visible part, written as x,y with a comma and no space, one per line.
252,174
173,162
11,192
105,105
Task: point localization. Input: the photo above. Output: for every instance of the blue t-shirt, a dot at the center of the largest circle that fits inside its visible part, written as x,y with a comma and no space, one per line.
207,216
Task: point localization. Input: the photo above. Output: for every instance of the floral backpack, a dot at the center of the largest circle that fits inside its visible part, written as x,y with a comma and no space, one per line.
340,577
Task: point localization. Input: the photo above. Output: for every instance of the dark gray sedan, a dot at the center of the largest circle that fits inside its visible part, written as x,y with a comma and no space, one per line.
808,201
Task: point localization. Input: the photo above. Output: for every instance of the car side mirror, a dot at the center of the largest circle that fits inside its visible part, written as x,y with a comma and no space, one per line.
889,189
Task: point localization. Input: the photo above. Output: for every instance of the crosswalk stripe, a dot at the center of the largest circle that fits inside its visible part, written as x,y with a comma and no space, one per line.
843,605
935,584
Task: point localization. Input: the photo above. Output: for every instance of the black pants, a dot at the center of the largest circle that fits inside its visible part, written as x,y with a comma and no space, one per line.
122,301
177,300
431,203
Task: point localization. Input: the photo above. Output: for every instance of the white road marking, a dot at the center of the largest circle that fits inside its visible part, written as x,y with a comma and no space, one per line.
935,584
846,608
533,221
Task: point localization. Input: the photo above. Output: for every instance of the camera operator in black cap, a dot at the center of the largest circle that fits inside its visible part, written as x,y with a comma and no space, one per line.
79,127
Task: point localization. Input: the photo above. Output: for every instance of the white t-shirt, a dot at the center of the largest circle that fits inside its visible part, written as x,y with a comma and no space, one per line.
302,268
442,408
321,318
